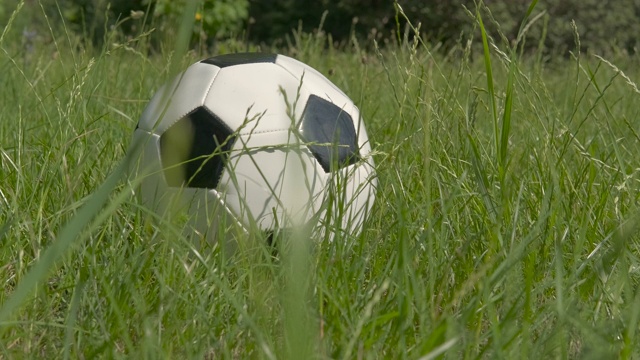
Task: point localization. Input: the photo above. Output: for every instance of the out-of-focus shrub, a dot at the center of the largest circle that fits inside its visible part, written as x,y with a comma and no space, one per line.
441,21
97,19
603,25
94,19
214,18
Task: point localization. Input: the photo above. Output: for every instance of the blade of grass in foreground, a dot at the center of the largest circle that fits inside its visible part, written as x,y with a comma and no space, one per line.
14,14
508,102
4,229
502,130
490,87
298,322
67,236
82,220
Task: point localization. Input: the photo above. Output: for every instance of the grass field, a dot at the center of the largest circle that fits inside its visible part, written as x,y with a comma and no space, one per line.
505,225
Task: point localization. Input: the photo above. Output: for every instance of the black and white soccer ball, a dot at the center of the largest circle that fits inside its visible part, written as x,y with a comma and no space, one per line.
257,141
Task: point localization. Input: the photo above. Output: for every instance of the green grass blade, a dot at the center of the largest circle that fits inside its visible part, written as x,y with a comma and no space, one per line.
489,76
506,122
69,234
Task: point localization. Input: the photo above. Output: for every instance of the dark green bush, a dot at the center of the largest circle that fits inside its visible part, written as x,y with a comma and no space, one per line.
603,26
214,18
440,20
96,19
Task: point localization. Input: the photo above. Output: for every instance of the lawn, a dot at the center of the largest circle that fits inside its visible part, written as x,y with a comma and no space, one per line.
505,224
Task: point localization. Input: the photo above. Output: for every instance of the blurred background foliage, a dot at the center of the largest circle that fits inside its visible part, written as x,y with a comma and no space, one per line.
603,26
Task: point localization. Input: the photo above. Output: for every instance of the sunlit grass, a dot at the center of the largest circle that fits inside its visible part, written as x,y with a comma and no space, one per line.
505,224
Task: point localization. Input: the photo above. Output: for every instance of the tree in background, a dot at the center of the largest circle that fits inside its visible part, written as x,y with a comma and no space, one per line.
603,26
345,18
95,19
215,19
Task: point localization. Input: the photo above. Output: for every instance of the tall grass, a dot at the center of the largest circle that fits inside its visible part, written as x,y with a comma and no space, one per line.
505,224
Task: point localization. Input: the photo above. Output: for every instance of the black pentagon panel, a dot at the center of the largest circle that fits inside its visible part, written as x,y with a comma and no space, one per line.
195,149
226,60
330,133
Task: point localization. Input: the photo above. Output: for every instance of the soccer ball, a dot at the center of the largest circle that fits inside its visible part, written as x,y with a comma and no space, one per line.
259,142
